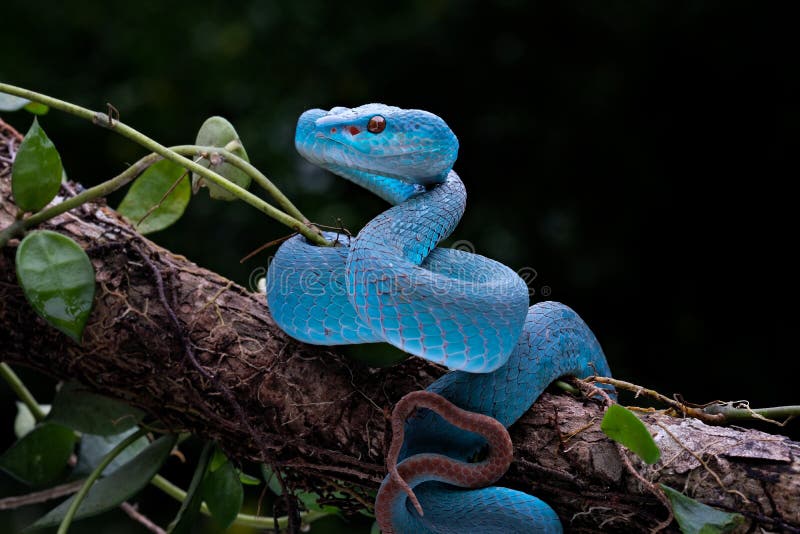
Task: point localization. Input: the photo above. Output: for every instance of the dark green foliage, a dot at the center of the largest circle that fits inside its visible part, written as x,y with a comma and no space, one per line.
76,407
110,491
190,508
223,493
40,456
94,448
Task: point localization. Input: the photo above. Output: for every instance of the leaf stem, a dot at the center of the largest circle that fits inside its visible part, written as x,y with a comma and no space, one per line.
24,394
12,230
106,121
100,190
37,497
248,520
92,478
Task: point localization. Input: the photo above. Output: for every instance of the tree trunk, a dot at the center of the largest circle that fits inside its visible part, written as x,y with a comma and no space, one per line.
202,354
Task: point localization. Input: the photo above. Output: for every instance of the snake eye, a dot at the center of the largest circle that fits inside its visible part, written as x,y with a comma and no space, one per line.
376,124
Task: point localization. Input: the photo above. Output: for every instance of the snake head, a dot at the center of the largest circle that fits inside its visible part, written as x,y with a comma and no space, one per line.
411,145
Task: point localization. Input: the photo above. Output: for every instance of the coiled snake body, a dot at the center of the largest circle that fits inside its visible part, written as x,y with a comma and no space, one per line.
467,312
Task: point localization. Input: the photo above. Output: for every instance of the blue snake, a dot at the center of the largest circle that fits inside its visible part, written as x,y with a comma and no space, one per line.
470,313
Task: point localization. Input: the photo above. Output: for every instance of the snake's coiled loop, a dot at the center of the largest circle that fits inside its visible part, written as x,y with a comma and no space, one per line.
390,283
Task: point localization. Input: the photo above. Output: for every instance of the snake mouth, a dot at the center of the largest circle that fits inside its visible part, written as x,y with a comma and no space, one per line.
343,145
403,150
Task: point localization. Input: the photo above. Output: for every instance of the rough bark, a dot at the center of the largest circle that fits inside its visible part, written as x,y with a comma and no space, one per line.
321,418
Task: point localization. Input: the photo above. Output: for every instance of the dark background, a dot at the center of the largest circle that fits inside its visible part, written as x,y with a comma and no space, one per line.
637,155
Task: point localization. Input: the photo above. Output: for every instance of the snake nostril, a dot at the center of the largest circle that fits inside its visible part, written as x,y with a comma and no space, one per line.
333,130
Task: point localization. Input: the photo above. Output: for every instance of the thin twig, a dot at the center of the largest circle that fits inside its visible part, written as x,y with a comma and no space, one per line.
368,506
267,245
703,463
163,198
639,390
714,413
56,492
133,512
654,489
5,127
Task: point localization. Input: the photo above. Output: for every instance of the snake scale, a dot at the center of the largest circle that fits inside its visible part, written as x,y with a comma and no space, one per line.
470,313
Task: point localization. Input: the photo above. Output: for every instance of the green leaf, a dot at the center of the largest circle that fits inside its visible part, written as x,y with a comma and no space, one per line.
697,518
11,102
36,173
223,493
309,499
622,425
148,191
387,356
111,490
217,460
41,456
24,422
375,528
248,480
94,448
78,408
36,108
367,513
271,479
218,132
311,502
184,521
57,279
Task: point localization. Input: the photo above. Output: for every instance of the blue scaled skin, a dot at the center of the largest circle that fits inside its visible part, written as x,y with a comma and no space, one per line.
390,283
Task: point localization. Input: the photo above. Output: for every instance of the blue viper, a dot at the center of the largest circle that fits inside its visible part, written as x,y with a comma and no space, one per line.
470,313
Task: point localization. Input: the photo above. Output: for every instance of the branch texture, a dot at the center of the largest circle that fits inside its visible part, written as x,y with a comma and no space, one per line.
202,354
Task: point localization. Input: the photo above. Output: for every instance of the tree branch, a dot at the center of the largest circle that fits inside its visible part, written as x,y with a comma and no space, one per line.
321,419
36,497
